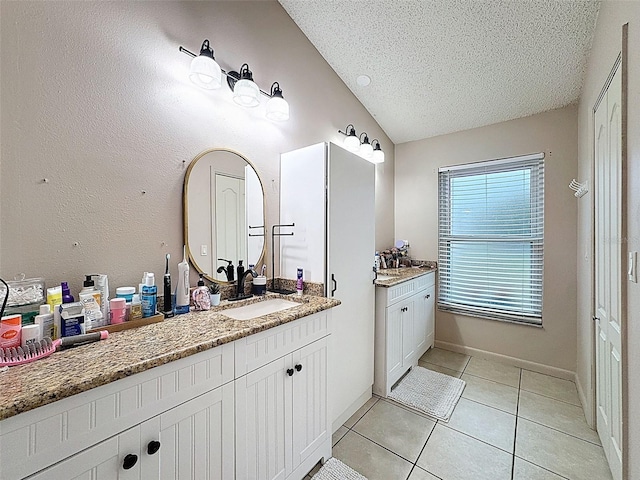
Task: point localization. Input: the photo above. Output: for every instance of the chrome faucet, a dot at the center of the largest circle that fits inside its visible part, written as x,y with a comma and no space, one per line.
240,286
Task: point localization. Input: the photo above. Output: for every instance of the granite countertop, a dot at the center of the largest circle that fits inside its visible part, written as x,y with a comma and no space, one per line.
400,275
69,372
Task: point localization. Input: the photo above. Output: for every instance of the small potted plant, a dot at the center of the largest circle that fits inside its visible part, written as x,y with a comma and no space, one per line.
214,293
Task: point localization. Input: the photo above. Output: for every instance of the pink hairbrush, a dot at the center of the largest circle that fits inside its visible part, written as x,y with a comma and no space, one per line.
45,347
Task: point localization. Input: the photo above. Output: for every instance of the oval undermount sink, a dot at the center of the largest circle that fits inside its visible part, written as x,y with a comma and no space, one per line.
257,309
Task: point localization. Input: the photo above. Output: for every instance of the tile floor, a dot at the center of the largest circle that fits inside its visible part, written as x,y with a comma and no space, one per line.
510,424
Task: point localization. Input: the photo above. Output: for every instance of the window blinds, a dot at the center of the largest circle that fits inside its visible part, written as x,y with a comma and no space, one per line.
491,239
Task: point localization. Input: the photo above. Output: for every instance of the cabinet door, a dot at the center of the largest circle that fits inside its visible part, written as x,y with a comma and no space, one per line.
310,419
263,422
103,461
408,334
196,439
424,320
394,343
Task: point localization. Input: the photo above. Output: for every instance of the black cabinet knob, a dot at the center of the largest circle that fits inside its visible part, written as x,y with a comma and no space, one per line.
153,447
298,367
428,296
290,371
129,461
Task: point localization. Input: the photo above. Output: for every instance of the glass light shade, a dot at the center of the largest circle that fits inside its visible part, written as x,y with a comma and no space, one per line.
205,72
246,93
352,143
277,109
366,150
378,156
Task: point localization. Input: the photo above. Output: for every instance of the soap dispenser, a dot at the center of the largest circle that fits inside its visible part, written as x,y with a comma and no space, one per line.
240,270
201,299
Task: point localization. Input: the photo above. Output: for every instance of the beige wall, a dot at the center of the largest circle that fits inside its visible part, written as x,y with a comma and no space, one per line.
606,46
96,99
416,187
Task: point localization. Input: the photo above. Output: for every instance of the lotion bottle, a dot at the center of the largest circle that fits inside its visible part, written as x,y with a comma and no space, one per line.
149,296
182,287
45,321
201,299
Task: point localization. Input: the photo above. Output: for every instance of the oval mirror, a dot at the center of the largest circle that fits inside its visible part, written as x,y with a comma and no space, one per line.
223,213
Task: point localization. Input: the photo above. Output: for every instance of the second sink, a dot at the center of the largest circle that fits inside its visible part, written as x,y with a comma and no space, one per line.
253,310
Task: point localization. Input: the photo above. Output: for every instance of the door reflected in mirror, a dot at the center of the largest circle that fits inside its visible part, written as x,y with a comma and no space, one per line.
223,213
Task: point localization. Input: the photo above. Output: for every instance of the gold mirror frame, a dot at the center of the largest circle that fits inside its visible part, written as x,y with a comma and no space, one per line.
185,210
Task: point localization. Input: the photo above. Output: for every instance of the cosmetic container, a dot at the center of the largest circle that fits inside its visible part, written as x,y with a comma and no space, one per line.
117,310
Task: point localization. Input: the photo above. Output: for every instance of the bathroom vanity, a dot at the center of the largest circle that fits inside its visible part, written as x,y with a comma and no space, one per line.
405,323
197,396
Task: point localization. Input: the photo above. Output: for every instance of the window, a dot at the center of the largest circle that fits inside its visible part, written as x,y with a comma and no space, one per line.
490,250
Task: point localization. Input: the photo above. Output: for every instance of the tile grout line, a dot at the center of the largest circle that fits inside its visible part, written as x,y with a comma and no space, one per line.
562,431
515,431
415,465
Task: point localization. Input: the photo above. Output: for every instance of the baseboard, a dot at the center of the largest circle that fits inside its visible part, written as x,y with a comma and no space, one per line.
516,362
589,413
353,408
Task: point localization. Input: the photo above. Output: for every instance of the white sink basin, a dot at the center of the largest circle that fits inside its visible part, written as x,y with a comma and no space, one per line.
253,310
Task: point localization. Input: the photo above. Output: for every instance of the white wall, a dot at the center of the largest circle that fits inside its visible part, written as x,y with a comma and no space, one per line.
607,43
97,100
416,189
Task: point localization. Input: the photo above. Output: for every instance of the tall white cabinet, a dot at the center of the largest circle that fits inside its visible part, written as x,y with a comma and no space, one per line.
329,193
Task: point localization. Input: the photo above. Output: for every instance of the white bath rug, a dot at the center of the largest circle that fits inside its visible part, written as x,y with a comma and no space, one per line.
433,393
334,469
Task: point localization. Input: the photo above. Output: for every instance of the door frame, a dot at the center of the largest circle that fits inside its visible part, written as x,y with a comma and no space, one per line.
621,61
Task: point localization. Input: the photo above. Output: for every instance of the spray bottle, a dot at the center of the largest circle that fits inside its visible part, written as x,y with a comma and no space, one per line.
182,288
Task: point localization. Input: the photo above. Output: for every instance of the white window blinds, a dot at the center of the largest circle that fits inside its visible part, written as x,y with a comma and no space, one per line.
490,252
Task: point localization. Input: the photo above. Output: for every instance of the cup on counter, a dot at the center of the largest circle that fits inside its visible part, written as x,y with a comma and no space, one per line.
117,310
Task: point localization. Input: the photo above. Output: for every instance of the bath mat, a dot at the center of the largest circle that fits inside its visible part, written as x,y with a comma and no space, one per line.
334,469
433,393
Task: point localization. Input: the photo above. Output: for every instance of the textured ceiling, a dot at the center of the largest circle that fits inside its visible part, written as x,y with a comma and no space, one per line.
442,66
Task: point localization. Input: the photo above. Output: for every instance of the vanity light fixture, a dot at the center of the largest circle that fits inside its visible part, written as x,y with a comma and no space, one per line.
245,92
206,73
351,141
366,150
277,106
378,154
369,151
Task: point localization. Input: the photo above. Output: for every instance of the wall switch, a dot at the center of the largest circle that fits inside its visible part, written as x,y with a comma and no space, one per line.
203,250
632,267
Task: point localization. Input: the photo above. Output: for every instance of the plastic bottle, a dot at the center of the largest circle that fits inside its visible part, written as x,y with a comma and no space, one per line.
45,321
136,308
149,296
117,310
66,293
299,282
182,286
141,284
201,299
54,298
90,298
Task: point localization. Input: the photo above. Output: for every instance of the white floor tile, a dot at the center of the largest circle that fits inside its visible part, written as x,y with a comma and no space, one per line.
456,456
494,371
490,393
487,424
445,358
361,411
523,470
558,452
548,386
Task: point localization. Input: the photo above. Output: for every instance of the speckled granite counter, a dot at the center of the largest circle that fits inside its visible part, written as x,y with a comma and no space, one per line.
400,275
76,370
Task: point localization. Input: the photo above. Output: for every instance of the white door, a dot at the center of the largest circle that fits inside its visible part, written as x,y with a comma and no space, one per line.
310,421
394,343
409,335
263,422
230,225
423,318
351,251
195,439
608,226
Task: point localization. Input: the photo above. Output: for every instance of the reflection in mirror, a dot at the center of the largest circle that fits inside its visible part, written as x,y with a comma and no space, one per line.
223,212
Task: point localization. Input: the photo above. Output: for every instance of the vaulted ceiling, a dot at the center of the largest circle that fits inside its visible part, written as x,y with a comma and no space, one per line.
442,66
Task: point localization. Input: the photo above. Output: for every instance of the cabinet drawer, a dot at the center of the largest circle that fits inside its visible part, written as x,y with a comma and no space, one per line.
424,281
261,348
35,439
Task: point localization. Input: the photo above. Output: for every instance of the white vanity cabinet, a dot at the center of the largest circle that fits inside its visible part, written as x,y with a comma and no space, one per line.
404,329
282,418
